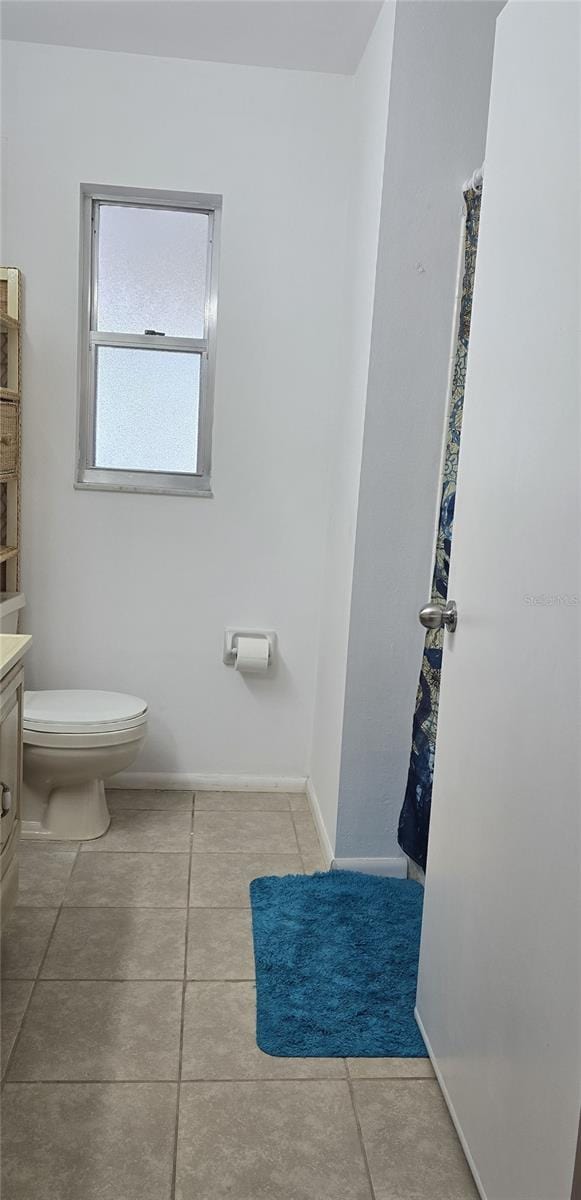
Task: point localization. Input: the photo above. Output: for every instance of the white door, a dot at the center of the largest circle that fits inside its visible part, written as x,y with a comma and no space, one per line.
499,995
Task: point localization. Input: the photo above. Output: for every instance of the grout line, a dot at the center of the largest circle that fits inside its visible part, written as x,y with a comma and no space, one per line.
220,979
240,812
135,851
360,1134
230,1079
166,808
318,1078
90,1082
305,853
297,842
167,812
182,1015
221,907
199,1079
40,966
135,907
391,1078
130,978
260,853
141,907
129,907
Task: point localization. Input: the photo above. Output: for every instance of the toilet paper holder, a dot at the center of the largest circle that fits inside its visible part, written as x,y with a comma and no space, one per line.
231,642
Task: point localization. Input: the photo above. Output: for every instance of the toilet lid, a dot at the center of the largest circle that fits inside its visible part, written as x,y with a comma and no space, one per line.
82,711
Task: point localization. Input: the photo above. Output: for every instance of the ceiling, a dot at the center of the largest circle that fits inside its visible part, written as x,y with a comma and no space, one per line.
308,35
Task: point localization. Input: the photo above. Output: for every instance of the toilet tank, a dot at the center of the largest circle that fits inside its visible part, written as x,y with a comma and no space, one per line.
10,605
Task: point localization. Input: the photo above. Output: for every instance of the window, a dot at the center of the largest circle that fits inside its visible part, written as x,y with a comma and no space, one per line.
147,340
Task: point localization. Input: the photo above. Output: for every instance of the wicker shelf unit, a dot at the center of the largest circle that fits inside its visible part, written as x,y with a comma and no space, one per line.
10,428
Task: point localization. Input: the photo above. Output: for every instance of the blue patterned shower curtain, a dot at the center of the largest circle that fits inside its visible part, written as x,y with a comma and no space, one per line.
414,821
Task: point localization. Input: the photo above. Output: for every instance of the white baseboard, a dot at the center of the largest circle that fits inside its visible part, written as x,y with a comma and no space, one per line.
326,846
207,783
396,867
451,1109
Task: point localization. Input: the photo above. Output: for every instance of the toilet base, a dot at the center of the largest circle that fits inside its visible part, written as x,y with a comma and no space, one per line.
77,813
63,794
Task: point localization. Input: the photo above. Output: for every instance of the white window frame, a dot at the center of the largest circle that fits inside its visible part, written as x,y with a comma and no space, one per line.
87,475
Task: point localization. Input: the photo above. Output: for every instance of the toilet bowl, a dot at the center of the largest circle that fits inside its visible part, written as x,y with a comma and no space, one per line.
73,740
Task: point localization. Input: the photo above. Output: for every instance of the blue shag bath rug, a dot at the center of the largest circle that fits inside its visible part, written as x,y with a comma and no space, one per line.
336,965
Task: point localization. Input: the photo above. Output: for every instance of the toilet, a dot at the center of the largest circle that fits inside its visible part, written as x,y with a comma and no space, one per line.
73,741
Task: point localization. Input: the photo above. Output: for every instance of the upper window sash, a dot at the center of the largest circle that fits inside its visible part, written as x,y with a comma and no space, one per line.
97,201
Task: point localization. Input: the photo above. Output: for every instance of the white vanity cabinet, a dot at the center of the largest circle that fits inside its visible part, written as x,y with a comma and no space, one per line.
11,699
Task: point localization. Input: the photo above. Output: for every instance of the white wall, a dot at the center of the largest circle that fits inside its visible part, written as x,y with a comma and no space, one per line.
133,592
438,105
370,101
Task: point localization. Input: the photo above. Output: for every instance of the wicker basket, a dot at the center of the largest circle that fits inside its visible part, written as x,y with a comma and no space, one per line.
8,438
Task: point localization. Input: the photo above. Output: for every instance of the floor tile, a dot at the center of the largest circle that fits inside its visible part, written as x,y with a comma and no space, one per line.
128,880
299,802
163,832
117,943
42,880
100,1031
309,844
412,1147
242,802
306,832
89,1141
314,862
220,944
24,941
244,833
390,1068
170,800
15,997
276,1141
223,880
220,1039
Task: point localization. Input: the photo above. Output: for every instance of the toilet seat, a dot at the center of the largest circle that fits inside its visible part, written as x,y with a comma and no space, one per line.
76,714
83,741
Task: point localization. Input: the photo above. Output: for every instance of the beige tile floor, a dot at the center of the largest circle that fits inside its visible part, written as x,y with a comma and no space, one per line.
130,1066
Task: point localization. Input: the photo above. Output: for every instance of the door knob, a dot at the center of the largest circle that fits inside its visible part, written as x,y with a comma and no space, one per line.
6,799
434,616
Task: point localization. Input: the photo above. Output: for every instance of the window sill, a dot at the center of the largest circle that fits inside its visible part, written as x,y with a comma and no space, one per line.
93,479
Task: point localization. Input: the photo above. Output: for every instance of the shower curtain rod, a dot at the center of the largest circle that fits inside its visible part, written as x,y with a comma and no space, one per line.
475,180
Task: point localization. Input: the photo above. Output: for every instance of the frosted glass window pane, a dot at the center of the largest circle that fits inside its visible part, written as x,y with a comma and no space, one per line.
146,416
151,270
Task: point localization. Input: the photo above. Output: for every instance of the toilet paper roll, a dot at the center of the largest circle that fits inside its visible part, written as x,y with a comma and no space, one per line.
252,655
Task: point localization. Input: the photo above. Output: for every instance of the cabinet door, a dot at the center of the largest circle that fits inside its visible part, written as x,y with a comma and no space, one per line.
10,756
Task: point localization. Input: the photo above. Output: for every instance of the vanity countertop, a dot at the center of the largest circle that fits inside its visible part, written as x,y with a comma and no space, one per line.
12,648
